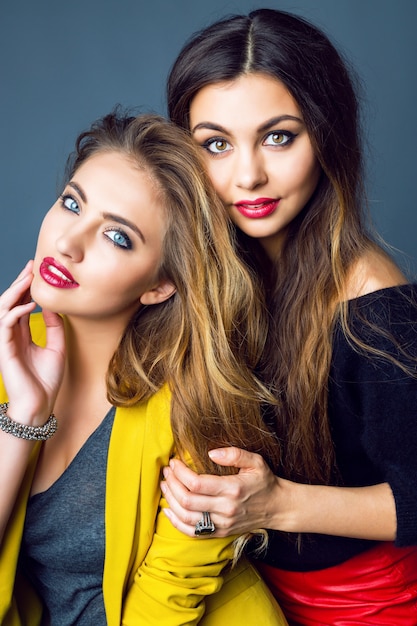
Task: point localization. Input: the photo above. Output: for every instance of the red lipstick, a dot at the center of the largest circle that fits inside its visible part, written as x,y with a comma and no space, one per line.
254,209
56,275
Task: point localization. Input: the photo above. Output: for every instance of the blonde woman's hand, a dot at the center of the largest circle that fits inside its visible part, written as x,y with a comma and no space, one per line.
31,374
237,504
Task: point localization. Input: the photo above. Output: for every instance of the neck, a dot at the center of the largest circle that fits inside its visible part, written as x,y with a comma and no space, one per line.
89,348
81,402
274,244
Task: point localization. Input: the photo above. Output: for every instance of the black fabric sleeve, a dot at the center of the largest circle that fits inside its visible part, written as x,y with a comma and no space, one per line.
375,398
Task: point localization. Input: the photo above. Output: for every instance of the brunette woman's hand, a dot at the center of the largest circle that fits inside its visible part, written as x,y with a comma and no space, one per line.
256,498
31,374
237,503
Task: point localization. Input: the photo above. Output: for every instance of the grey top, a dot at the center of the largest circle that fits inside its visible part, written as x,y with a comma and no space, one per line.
64,537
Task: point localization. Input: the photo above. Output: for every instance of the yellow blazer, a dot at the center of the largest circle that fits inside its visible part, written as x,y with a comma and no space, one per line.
153,574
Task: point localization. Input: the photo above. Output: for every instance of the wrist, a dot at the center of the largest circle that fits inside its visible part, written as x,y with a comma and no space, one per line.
25,414
291,504
23,430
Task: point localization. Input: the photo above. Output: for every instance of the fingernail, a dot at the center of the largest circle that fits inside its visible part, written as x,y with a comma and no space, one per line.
163,487
167,513
165,472
216,454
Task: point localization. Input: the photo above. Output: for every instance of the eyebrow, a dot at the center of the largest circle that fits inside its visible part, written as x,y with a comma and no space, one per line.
265,126
78,190
121,220
110,216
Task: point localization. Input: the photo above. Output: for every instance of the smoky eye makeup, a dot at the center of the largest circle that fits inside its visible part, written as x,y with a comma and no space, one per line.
119,238
216,145
279,138
69,203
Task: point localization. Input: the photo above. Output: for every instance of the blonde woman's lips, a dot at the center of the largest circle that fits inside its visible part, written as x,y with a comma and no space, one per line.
56,274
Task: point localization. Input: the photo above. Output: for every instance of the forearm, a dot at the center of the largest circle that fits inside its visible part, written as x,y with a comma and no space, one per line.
175,577
360,512
255,498
14,458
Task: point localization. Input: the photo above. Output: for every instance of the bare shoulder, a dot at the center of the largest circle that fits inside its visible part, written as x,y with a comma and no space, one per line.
374,270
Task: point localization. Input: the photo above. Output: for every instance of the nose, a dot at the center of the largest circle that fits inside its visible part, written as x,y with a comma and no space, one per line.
71,244
250,171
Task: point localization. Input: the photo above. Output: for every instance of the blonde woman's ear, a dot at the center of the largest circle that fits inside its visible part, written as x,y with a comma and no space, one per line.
158,294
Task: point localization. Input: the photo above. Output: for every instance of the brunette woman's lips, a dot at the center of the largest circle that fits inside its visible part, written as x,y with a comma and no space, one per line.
261,207
56,275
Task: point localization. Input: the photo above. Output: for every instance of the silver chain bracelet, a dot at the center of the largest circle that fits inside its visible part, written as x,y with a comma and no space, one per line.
33,433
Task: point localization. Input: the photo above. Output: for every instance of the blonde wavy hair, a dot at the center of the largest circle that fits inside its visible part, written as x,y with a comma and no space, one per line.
206,341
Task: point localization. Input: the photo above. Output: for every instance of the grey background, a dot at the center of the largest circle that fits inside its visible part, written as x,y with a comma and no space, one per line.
63,64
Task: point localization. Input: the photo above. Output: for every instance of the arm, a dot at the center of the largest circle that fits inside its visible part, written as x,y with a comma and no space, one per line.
373,392
14,457
255,498
165,576
30,376
176,575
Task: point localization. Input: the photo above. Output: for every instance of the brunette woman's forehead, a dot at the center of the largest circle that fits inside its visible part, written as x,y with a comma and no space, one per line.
264,98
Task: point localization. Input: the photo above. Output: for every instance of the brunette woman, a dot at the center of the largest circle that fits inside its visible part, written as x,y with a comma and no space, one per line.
273,106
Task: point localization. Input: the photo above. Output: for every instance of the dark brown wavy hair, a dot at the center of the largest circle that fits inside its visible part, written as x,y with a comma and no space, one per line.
307,286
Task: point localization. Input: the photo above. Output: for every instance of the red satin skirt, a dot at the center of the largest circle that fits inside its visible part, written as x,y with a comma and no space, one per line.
376,587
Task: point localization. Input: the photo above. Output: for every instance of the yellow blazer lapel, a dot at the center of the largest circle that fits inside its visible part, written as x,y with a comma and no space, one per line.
158,448
122,510
140,445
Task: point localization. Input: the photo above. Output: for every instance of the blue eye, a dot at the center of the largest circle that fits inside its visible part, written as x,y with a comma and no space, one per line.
217,145
279,138
70,204
119,238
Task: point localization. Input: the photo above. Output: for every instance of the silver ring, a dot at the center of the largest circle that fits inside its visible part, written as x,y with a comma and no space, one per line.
205,526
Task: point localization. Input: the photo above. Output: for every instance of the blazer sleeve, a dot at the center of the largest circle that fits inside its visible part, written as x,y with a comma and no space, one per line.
169,574
177,573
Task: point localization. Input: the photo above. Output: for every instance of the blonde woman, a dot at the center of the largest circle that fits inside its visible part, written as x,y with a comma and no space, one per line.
138,355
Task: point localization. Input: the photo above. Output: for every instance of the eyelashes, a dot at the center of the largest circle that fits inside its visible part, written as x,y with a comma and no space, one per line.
279,138
118,238
69,203
217,146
